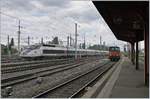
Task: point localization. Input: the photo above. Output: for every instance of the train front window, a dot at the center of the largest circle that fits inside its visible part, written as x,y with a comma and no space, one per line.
114,49
117,49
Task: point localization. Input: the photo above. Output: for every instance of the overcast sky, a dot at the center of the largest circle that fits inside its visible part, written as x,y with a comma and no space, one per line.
50,18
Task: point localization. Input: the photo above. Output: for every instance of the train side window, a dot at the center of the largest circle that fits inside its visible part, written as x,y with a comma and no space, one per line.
52,51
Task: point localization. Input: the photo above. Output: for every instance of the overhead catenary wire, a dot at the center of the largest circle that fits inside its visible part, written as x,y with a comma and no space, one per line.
26,20
53,25
7,3
31,29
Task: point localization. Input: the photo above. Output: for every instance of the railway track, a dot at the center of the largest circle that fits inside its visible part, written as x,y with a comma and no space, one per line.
73,86
5,65
7,60
33,65
21,60
16,67
25,76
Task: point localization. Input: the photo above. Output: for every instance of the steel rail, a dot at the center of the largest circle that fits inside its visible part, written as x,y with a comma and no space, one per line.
5,65
22,78
95,78
43,94
32,66
35,66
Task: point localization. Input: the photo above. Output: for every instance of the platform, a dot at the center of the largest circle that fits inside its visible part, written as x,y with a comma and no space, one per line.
123,82
130,83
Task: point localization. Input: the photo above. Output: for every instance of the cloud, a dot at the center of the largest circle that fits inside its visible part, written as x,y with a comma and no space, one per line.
49,18
16,5
56,3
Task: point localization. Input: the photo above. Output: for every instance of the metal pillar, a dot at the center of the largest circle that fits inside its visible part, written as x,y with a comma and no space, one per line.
70,40
8,46
42,40
129,50
146,56
100,42
75,40
28,40
84,42
137,56
19,37
132,53
67,44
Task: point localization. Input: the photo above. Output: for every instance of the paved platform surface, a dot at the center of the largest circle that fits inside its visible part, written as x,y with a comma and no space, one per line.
130,83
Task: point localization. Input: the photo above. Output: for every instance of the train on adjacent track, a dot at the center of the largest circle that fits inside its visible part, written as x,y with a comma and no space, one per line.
114,53
57,51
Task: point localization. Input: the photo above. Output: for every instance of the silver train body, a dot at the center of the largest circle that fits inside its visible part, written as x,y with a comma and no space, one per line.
40,51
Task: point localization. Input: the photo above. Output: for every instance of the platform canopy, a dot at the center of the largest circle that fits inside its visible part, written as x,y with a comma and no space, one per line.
126,19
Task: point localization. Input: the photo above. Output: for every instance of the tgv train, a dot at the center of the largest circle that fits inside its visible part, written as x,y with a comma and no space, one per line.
52,50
